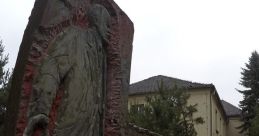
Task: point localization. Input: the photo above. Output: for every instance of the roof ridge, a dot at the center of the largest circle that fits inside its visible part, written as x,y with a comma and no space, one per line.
189,81
230,109
230,104
150,84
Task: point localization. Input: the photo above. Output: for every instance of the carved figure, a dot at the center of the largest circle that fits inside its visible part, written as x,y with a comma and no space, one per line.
76,62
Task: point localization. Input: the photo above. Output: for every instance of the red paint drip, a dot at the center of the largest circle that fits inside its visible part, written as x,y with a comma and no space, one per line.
53,113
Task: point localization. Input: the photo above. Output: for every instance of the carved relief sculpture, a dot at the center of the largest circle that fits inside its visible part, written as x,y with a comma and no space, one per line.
72,73
76,62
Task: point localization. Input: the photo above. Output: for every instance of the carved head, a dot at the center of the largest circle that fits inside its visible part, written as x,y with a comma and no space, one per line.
99,18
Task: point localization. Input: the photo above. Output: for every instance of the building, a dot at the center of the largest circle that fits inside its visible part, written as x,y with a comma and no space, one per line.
233,115
220,117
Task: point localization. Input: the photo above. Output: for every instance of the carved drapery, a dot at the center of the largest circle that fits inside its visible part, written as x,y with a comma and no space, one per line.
46,22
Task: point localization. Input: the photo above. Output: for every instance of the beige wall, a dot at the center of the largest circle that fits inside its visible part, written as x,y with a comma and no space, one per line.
208,108
201,98
218,120
231,127
137,99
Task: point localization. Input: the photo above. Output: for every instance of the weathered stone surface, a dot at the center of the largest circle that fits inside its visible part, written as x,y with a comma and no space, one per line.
68,71
134,130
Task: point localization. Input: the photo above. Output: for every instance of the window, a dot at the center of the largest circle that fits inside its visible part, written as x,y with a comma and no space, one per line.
137,108
216,121
220,126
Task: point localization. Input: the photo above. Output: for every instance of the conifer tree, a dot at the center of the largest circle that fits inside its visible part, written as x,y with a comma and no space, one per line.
166,113
254,130
249,80
4,83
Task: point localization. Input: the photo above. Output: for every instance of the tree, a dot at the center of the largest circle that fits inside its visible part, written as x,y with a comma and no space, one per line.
254,130
250,80
4,83
166,113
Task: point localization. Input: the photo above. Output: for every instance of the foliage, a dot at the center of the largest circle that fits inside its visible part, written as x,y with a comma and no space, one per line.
167,113
254,130
250,80
4,83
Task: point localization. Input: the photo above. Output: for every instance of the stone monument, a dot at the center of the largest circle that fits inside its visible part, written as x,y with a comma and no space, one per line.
72,72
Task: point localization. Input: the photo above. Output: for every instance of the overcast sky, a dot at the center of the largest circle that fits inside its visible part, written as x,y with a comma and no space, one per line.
202,41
